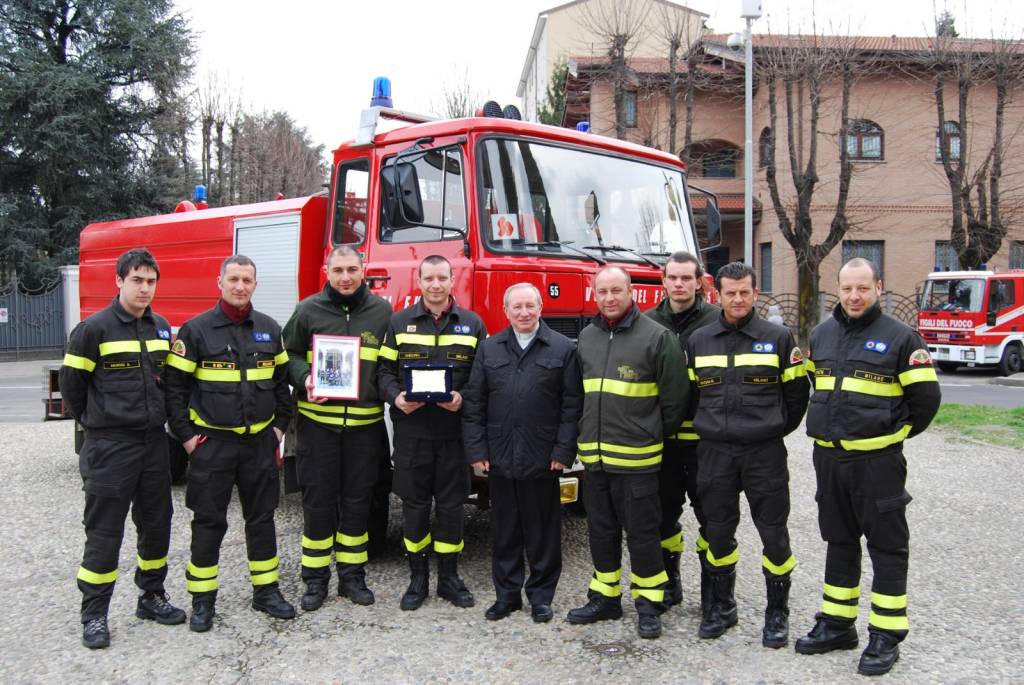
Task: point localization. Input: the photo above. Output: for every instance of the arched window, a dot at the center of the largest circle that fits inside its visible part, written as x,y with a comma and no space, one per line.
865,140
764,147
948,138
714,159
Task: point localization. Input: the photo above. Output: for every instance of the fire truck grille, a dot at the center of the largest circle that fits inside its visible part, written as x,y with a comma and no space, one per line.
569,326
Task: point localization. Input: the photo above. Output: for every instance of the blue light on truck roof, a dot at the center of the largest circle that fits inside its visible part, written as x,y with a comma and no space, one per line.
200,194
583,127
381,92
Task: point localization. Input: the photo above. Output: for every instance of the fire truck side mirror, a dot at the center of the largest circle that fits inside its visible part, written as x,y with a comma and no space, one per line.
990,318
403,206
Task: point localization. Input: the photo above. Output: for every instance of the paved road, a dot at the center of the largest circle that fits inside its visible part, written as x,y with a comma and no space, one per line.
967,611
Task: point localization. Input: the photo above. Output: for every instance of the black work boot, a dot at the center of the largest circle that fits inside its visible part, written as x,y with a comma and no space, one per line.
705,584
419,582
776,614
449,585
878,657
674,591
827,635
648,626
353,585
153,606
597,608
268,599
202,615
316,593
721,615
95,634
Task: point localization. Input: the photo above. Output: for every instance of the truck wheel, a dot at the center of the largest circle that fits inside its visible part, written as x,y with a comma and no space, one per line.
178,460
947,367
1011,362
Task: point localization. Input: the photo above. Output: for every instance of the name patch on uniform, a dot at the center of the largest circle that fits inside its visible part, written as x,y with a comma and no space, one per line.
218,366
411,328
822,372
116,366
760,380
627,373
413,355
709,381
163,333
265,364
460,357
873,377
876,346
920,358
760,346
260,337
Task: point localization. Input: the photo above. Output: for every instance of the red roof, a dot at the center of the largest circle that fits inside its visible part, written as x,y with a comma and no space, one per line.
727,202
903,44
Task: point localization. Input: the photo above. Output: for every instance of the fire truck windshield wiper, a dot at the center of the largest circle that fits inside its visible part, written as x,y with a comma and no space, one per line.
566,244
620,248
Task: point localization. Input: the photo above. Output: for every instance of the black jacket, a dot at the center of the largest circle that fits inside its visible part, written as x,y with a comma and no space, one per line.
520,407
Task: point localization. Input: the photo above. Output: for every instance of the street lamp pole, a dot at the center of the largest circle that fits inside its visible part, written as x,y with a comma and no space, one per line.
751,11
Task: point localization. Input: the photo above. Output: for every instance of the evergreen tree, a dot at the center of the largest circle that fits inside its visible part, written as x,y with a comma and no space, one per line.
552,110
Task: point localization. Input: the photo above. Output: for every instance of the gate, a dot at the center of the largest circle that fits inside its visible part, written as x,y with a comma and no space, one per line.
31,321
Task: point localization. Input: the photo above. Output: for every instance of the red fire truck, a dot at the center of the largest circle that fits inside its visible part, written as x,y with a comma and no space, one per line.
974,318
504,200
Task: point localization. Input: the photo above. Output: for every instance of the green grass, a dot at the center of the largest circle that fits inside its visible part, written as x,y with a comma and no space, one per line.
989,424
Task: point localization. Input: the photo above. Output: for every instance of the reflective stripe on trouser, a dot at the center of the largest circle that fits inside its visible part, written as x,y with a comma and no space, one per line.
840,603
429,471
336,467
215,468
865,496
760,471
677,481
617,502
119,476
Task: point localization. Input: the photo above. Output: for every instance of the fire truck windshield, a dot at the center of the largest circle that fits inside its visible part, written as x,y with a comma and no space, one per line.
959,295
557,201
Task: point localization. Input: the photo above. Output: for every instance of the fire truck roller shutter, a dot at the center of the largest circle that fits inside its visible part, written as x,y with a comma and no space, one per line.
273,243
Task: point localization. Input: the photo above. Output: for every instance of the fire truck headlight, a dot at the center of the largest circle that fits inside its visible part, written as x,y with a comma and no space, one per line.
967,355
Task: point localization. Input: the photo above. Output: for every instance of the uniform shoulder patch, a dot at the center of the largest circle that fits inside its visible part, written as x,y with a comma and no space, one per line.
411,328
796,356
920,357
178,347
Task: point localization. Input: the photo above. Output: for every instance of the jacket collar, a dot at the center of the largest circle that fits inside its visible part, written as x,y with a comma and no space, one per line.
744,325
625,323
222,319
506,334
862,322
121,313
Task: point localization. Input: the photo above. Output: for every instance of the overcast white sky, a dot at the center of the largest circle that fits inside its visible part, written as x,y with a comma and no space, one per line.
316,60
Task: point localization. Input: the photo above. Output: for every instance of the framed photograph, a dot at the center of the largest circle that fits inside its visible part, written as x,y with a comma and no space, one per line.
335,367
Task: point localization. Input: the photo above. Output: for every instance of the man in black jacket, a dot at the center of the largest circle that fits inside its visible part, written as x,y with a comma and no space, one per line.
520,410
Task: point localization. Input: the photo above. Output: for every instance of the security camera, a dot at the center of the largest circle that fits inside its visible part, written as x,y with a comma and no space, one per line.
734,41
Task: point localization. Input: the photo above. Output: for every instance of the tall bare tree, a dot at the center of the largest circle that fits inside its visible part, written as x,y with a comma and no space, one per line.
459,98
677,30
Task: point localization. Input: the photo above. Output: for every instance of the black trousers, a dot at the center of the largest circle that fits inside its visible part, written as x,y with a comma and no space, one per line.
677,479
116,476
525,514
429,471
337,472
865,495
759,470
215,467
617,501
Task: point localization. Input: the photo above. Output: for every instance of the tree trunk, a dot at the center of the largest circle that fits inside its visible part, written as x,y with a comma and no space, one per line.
807,290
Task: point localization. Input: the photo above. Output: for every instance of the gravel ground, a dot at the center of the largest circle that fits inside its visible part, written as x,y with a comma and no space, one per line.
967,612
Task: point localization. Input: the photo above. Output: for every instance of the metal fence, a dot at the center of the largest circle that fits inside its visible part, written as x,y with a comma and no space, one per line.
903,307
31,321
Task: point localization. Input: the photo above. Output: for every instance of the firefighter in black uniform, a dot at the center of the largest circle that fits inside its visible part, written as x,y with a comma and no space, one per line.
112,381
874,387
752,391
683,310
634,394
340,442
229,404
429,459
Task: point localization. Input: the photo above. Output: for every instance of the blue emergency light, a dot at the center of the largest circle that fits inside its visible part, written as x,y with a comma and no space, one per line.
381,92
200,193
583,127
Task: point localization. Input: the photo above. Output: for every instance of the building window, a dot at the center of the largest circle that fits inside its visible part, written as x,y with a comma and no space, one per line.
865,140
766,267
764,147
946,258
948,139
1017,254
629,104
714,159
872,250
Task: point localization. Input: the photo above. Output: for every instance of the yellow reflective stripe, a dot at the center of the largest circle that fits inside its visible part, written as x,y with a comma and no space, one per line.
705,361
824,443
352,540
651,594
606,590
608,576
201,585
310,543
756,359
811,367
150,564
281,358
635,463
842,593
219,375
316,562
691,374
330,409
889,622
649,581
414,547
309,356
181,363
702,544
158,345
339,421
840,610
389,353
253,428
265,565
265,578
119,346
685,436
446,340
727,560
918,376
673,543
447,547
367,411
76,362
878,443
364,422
866,387
414,339
370,354
824,382
259,374
626,449
352,557
889,601
793,373
780,569
94,578
617,387
586,445
588,458
202,572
